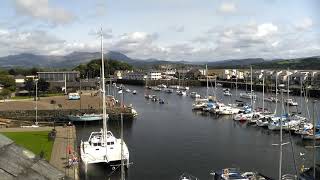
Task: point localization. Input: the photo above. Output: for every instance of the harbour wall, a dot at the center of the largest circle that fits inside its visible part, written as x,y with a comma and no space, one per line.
50,116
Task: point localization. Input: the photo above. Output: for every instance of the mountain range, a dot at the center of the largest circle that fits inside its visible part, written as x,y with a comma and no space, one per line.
28,60
71,60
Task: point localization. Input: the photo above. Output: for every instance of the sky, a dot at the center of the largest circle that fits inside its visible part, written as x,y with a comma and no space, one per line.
189,30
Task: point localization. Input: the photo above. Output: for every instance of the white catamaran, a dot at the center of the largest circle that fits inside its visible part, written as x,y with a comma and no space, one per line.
102,146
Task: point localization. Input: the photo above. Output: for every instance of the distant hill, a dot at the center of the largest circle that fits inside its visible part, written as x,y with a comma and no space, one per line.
235,63
71,60
309,63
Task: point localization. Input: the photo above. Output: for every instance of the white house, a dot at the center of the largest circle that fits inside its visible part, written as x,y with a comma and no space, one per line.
19,79
154,75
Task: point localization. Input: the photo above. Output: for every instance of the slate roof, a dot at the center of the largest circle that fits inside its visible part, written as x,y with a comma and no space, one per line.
18,163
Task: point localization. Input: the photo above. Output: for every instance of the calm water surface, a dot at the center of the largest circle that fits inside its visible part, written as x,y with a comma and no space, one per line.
166,140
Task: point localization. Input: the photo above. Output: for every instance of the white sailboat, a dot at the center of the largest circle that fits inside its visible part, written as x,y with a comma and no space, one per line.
102,146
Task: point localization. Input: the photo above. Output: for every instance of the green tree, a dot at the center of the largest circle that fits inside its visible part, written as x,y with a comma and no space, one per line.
43,85
29,85
8,82
94,66
4,93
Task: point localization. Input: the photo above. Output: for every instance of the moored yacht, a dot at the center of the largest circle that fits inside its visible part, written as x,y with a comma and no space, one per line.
247,95
102,146
168,90
98,149
199,104
194,95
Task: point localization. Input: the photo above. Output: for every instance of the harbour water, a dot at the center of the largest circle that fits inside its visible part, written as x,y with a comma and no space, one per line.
166,140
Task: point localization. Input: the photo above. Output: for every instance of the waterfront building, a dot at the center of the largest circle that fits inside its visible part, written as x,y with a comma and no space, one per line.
154,75
135,76
69,76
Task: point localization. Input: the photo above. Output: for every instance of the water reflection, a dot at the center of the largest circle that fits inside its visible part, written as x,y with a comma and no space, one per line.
168,139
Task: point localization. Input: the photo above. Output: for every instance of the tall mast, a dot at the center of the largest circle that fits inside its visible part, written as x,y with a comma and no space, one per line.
236,84
251,94
207,81
36,102
288,93
275,111
104,114
314,140
122,162
65,83
263,94
280,144
300,94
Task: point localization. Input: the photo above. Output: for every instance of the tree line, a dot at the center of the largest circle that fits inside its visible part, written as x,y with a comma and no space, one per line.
93,68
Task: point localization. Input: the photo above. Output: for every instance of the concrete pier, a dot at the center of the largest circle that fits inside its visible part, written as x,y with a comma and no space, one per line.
64,148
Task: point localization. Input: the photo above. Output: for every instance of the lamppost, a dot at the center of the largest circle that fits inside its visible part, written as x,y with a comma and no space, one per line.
36,81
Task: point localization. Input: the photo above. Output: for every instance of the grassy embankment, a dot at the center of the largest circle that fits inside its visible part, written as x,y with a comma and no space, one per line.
33,141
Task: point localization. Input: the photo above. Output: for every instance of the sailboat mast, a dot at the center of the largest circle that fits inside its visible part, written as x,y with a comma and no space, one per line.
275,111
263,94
236,84
288,90
207,81
122,162
314,140
280,144
251,94
300,94
36,102
104,113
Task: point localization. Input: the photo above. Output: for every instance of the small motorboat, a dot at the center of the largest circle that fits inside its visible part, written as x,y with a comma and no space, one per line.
85,117
154,98
247,95
194,95
186,176
162,86
184,88
291,102
161,101
227,93
168,90
156,89
128,90
134,92
182,93
235,174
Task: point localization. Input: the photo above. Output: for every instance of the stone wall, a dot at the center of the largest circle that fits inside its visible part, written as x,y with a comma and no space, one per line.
52,115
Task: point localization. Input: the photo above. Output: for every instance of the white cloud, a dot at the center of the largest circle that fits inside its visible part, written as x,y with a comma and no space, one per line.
264,40
41,10
227,7
266,29
39,42
305,24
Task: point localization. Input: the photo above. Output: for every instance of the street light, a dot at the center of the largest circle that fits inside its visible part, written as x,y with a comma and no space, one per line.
36,81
